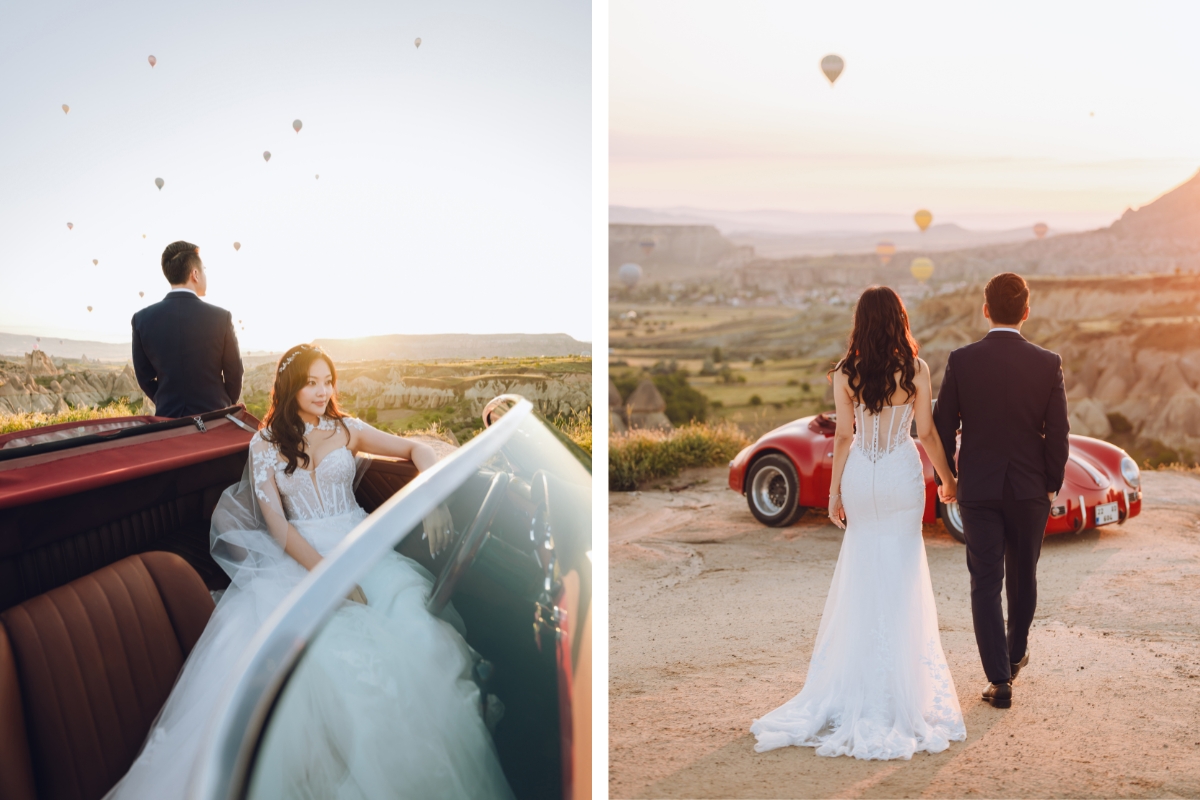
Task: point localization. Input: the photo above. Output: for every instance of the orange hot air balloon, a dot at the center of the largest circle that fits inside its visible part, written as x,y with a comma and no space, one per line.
237,246
159,183
923,218
418,42
266,155
921,268
66,109
70,226
1040,230
297,125
152,61
96,262
832,66
885,251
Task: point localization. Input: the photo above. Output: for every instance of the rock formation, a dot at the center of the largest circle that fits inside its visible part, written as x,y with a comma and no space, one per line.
38,386
616,409
645,407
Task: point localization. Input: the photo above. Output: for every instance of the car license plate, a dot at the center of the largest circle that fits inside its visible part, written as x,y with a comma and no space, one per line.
1106,513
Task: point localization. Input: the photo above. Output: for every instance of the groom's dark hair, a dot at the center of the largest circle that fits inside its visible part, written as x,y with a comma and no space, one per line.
1007,297
178,261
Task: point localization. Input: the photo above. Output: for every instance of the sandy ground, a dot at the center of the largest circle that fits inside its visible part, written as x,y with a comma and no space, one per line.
713,617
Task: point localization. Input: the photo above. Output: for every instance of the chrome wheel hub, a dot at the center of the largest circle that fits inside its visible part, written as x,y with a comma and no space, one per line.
769,490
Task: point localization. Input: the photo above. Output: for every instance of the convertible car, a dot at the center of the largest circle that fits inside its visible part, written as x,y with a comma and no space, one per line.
789,470
106,584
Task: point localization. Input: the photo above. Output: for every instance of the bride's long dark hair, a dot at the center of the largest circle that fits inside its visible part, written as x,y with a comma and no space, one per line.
881,345
282,423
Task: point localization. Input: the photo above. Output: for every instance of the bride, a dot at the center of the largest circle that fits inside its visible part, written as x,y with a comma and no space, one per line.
407,727
878,686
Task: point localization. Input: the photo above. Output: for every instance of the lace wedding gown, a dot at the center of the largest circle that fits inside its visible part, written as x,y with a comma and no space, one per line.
878,686
381,706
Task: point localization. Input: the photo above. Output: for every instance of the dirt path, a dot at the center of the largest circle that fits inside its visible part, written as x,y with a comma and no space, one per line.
712,619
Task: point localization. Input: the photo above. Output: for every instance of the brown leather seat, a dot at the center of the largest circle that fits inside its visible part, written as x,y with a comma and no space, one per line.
85,669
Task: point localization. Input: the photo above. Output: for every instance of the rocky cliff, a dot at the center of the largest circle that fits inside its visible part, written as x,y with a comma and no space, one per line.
1130,348
37,385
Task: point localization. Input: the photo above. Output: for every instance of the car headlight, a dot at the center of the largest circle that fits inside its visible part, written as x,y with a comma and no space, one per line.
1130,472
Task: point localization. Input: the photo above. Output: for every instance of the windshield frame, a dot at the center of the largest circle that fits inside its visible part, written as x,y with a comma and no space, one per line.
234,731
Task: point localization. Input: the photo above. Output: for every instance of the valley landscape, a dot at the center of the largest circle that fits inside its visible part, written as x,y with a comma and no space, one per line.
757,335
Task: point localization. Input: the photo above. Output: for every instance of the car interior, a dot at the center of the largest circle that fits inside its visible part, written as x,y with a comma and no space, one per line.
101,589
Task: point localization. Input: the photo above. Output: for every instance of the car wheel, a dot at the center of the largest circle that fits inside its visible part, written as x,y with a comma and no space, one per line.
773,491
951,516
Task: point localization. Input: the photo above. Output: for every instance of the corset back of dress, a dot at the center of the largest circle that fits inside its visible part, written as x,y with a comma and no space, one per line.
877,435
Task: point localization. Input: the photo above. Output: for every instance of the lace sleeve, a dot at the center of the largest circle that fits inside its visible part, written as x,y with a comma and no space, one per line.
263,458
355,424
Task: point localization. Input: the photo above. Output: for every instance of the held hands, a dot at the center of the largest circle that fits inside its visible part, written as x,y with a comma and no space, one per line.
837,512
439,530
948,491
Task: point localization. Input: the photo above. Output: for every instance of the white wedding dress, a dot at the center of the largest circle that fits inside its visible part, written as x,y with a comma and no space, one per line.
381,706
878,686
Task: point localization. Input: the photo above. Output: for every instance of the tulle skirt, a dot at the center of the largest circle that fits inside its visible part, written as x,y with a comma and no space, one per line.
381,705
878,686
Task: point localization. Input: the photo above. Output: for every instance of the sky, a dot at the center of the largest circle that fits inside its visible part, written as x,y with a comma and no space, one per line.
454,188
993,115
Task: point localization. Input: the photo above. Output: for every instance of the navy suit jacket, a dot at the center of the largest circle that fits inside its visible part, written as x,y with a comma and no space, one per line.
186,356
1007,394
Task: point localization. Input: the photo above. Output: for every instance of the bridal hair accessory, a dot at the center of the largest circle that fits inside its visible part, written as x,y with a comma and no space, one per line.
299,349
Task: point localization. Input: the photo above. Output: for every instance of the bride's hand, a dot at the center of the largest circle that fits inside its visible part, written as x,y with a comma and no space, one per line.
439,530
948,491
356,595
837,512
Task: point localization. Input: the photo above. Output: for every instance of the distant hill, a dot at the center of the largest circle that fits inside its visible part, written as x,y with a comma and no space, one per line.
454,345
16,344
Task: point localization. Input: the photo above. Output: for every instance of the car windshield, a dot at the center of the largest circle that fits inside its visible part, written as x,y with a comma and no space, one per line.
443,658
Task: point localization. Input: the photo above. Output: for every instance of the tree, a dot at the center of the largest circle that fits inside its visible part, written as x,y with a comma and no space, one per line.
716,355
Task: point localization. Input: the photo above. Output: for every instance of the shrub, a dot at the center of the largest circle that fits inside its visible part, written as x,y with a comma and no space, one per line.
716,355
641,455
576,426
10,423
755,400
684,403
1119,423
793,382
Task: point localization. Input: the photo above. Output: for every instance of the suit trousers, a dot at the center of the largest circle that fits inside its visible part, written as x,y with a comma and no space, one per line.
1004,542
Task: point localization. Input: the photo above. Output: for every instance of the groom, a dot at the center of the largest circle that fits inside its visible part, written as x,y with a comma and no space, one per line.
1007,395
185,352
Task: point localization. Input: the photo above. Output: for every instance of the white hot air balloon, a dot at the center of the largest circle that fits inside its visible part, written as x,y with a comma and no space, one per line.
141,294
297,125
95,262
159,183
266,155
418,42
629,274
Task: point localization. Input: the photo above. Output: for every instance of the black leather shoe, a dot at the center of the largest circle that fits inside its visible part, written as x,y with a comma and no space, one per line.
998,694
1019,665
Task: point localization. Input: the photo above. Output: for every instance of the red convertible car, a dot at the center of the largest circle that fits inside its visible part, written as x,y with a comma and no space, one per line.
106,582
788,470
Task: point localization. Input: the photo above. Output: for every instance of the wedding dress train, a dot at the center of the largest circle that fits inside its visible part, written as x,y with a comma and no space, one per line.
878,686
382,705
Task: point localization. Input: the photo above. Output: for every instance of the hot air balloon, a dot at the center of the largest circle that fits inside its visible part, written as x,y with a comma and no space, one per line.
630,274
143,236
70,226
923,218
1040,230
159,183
647,246
152,61
66,109
89,309
141,294
297,125
832,66
885,251
266,155
318,177
418,42
921,268
237,246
